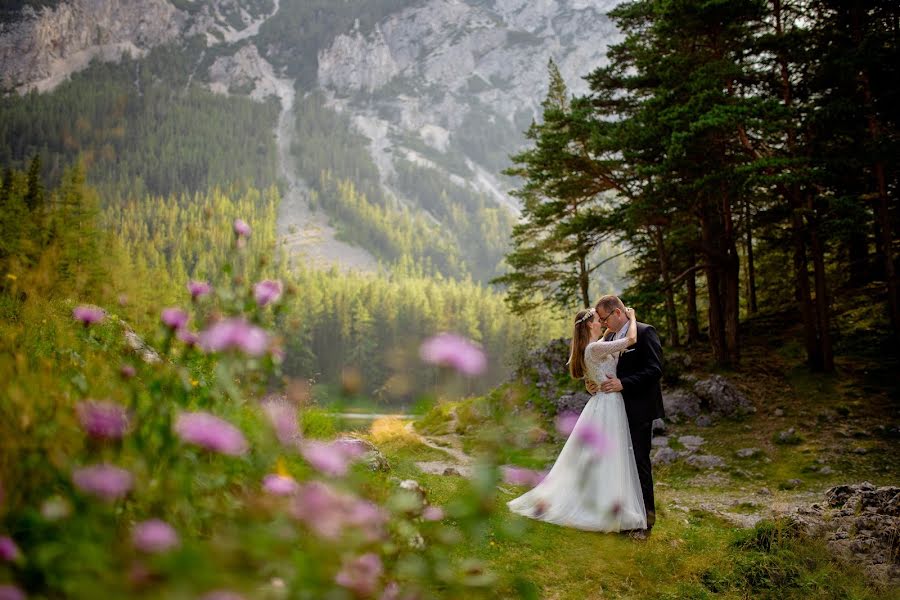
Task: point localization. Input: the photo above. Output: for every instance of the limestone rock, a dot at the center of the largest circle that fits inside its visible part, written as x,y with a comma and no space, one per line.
664,456
722,397
680,403
370,454
705,461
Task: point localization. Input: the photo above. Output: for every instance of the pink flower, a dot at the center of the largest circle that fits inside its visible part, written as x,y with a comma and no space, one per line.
198,288
267,291
210,432
241,229
283,417
106,482
235,334
330,458
222,595
280,485
154,536
327,513
88,315
174,318
565,423
433,513
127,371
451,350
361,574
8,550
522,476
102,420
11,592
188,337
590,435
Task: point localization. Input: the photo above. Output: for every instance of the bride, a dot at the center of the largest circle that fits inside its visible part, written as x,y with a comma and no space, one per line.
594,483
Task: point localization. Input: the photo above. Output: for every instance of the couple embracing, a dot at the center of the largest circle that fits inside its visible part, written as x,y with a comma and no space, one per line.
610,490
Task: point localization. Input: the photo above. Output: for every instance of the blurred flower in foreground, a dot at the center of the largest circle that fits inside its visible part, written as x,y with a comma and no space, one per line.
88,315
591,435
433,513
103,481
283,417
174,318
154,536
241,229
222,595
280,485
55,508
267,291
102,420
522,476
235,334
565,423
210,432
9,552
331,458
189,338
198,288
11,592
327,512
361,574
127,371
451,350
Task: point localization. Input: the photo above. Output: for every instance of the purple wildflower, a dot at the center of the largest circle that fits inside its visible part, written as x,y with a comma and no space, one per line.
154,536
267,291
433,513
328,512
8,550
361,574
88,315
198,288
210,432
174,318
330,458
280,485
222,595
106,482
522,476
11,592
591,436
451,350
236,334
127,371
102,420
283,417
188,337
241,229
565,423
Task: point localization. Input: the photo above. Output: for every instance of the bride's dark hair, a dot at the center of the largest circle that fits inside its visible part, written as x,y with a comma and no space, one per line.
581,336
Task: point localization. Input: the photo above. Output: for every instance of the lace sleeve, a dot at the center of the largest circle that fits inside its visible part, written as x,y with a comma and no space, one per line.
599,349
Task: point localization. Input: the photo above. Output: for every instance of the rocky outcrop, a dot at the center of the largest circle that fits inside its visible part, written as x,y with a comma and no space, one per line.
246,73
861,522
705,400
41,49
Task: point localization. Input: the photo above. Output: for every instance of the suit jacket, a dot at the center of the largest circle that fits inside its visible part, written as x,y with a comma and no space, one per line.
640,370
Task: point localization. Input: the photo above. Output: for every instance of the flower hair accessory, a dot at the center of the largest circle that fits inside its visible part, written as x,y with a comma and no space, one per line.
588,315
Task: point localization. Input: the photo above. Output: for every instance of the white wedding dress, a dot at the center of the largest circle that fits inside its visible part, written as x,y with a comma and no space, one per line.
585,490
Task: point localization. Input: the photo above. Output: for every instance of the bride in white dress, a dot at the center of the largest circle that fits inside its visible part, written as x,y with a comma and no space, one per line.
594,483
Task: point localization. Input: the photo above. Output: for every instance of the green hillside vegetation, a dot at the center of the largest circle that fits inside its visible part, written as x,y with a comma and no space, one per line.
140,127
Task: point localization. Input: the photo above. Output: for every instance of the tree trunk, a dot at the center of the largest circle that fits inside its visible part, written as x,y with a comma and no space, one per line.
751,272
584,282
693,322
731,284
666,275
822,312
713,285
802,292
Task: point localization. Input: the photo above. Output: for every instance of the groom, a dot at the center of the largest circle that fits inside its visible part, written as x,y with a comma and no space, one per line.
637,377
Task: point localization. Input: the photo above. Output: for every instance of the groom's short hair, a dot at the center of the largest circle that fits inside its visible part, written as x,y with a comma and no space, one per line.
609,303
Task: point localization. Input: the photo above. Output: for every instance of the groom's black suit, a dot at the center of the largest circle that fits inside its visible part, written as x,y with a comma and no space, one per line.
640,369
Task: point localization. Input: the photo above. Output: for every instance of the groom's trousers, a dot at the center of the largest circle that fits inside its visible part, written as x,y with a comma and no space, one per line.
641,436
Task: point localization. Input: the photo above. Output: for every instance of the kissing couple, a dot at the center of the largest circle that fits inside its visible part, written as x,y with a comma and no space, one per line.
602,479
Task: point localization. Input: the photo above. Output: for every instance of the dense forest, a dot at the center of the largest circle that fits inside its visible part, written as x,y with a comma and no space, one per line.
746,152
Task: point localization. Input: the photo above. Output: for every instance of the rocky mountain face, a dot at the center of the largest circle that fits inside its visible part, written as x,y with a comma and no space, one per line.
447,86
463,79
